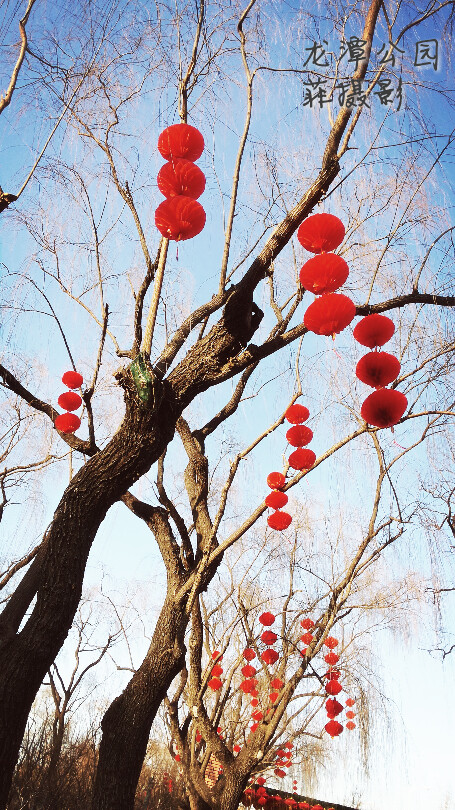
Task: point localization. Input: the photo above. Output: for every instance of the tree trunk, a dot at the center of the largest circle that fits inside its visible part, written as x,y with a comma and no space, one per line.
127,723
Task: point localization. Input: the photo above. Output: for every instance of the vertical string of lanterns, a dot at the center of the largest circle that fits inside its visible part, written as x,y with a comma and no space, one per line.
69,422
332,687
179,216
385,406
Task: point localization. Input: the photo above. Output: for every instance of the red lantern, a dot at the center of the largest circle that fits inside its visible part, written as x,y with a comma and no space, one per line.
217,670
67,422
70,401
374,330
249,654
248,671
307,623
276,480
255,702
350,702
350,725
296,414
384,407
254,727
181,141
236,749
279,520
268,637
378,369
216,654
215,684
179,218
260,780
324,273
329,314
298,435
247,686
307,638
279,772
276,499
333,688
269,656
302,459
320,233
331,658
257,716
350,715
72,379
267,619
331,643
181,178
333,707
334,728
304,806
332,674
277,683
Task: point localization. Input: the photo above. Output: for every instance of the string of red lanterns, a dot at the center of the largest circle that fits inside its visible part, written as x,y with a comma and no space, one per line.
180,216
69,422
385,406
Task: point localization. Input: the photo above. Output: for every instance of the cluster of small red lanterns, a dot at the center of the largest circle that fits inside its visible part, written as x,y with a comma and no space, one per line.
260,797
385,406
69,422
215,682
180,216
300,459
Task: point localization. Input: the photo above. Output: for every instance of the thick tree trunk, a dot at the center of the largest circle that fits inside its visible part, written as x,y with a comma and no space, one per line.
127,723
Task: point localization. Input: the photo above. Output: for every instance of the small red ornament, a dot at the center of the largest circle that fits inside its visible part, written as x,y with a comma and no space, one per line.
249,654
216,655
296,414
279,772
329,314
270,656
331,643
248,685
217,670
334,728
180,218
257,716
236,749
72,379
374,330
350,702
331,658
350,725
181,141
307,623
273,697
268,637
333,707
260,780
324,273
276,499
276,480
307,638
267,619
279,520
277,683
181,178
378,369
350,715
215,684
255,702
248,671
302,459
69,401
298,435
67,422
320,233
384,407
333,688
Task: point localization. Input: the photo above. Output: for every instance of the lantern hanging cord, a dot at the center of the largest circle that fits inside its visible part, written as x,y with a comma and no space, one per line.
151,318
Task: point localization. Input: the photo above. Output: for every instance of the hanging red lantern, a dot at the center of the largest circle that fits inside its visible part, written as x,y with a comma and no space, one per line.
236,749
329,314
289,745
69,401
280,753
268,637
270,656
374,330
304,806
248,671
331,658
215,684
320,233
255,702
276,499
279,520
257,716
350,702
72,379
254,727
181,178
307,623
333,706
333,688
217,670
324,273
302,459
249,654
248,685
350,725
181,141
331,643
296,414
267,619
307,638
279,772
277,683
260,780
378,369
67,422
298,435
276,480
350,715
334,728
180,218
332,674
216,654
384,407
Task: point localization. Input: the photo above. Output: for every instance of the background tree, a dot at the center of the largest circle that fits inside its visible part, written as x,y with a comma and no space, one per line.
80,249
